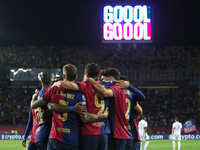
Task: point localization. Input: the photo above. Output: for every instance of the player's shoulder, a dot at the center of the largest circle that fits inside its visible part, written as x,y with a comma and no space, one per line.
141,121
129,92
55,90
83,84
115,88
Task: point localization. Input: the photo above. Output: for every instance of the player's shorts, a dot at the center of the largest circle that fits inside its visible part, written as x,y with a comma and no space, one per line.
119,144
54,144
144,137
31,146
92,142
41,145
176,137
136,145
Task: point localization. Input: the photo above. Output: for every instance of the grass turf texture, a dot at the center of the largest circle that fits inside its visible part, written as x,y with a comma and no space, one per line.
167,145
153,145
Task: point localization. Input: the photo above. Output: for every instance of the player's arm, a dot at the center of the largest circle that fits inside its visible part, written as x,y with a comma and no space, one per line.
78,108
35,103
87,117
145,130
102,90
138,110
126,85
172,131
66,85
29,127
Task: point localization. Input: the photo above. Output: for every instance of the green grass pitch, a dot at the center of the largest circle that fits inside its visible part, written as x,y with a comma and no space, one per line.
167,145
153,145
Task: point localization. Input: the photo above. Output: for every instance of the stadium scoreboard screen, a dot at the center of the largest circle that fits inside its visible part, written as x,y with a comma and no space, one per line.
126,23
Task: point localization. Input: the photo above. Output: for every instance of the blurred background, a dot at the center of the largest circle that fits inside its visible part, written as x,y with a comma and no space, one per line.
42,36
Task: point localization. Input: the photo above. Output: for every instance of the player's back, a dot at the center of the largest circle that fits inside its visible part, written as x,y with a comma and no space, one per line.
141,125
45,123
118,114
96,104
35,120
177,127
65,127
133,119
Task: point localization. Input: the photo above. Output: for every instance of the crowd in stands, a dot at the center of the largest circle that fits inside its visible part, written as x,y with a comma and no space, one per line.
163,104
127,57
160,107
15,104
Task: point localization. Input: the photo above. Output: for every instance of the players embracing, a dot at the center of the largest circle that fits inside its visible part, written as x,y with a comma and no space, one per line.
96,130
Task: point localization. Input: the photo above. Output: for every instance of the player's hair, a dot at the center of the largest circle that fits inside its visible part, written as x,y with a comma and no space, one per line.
111,72
123,77
102,71
46,78
176,118
92,69
70,72
143,117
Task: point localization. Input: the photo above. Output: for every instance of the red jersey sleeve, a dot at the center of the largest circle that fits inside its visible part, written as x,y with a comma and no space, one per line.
47,94
114,89
82,86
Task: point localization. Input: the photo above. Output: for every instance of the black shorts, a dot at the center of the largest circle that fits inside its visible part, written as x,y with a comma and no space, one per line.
54,144
94,142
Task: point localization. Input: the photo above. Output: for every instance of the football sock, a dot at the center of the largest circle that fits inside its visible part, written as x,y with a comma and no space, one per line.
173,144
179,145
146,144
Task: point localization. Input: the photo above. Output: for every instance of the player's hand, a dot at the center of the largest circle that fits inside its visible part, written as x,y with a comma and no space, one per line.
79,108
34,97
24,142
56,84
122,84
105,113
89,79
44,114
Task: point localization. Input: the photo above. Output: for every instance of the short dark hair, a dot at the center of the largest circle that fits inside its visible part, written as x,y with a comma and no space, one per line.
46,78
144,117
176,118
111,72
92,69
70,72
123,77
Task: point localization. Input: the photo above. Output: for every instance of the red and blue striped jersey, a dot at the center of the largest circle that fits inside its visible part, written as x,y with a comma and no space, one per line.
65,126
119,114
44,128
134,127
133,120
32,125
96,104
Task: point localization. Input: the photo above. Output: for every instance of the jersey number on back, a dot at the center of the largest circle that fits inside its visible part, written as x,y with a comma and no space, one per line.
99,103
64,116
128,108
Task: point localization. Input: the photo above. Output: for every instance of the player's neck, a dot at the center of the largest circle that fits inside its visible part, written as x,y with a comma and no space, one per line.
69,80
